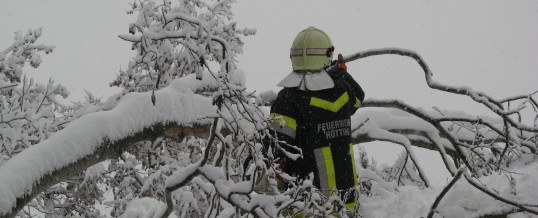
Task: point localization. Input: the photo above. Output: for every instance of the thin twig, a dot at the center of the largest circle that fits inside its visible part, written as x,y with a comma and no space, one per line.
444,191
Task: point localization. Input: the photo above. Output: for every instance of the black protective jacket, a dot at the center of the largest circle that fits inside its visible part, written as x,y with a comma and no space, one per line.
319,123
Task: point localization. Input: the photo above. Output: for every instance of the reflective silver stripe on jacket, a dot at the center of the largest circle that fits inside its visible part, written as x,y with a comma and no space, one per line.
284,129
322,172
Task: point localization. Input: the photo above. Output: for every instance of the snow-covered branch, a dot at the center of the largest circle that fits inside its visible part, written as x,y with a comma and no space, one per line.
445,190
99,136
478,154
22,51
176,40
479,97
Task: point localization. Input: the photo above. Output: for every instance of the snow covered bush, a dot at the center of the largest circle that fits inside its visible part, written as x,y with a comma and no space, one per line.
30,113
27,108
176,38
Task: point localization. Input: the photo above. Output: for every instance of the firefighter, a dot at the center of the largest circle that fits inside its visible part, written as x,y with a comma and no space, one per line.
313,112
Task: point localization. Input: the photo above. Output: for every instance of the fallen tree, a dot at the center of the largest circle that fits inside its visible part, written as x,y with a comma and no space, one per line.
148,122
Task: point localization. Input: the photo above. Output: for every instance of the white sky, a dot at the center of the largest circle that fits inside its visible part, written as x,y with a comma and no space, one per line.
490,45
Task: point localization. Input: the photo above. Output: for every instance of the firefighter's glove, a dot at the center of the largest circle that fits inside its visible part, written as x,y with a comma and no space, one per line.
340,62
338,74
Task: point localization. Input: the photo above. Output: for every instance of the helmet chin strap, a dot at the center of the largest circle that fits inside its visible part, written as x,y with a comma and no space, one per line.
302,85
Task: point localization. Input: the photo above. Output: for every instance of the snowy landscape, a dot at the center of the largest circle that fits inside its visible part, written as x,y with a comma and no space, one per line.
449,127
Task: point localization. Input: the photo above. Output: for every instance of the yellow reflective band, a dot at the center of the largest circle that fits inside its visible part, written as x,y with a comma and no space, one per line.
357,103
329,167
331,106
289,122
352,153
351,205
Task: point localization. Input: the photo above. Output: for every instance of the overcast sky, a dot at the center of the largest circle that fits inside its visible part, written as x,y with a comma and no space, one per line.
489,45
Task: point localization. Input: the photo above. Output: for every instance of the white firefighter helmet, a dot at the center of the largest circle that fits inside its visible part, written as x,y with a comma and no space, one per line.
311,50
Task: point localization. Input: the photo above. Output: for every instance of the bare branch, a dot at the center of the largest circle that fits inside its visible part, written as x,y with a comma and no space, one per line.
444,191
479,97
442,131
484,189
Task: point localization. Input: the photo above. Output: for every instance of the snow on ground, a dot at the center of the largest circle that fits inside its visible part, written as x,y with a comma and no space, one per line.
144,208
462,200
388,201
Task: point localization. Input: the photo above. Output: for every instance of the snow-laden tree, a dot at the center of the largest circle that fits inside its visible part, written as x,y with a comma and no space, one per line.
30,112
176,38
173,40
187,138
27,109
